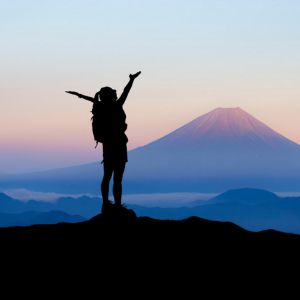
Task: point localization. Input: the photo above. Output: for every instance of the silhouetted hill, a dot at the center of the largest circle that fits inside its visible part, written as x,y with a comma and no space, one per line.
10,205
14,212
252,209
33,217
245,196
83,206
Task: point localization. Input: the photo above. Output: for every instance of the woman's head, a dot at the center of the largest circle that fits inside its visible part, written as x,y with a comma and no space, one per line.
108,94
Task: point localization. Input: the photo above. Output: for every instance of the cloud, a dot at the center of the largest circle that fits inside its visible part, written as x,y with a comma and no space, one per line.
25,195
166,199
148,200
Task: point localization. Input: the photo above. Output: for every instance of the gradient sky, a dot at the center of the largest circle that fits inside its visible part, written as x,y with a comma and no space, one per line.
194,56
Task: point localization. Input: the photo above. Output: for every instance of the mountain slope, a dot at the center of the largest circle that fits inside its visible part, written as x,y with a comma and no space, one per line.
226,125
10,205
223,149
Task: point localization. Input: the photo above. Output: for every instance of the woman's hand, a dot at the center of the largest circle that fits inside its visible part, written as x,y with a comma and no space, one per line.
134,76
74,93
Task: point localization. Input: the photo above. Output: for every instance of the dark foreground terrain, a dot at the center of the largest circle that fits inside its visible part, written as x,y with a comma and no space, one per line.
127,234
146,253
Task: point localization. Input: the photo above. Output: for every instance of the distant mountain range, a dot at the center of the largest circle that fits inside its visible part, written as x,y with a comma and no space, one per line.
82,206
33,217
14,212
224,149
252,209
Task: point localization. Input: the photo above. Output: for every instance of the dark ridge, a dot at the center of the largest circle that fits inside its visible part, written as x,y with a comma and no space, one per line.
130,249
191,233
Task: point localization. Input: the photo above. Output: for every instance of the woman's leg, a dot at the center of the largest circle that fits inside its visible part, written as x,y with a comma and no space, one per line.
118,176
108,170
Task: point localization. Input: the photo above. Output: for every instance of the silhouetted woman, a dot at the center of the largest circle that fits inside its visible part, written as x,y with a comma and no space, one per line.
113,137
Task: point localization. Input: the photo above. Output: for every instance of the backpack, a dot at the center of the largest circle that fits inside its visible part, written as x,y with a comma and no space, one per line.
108,122
99,122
